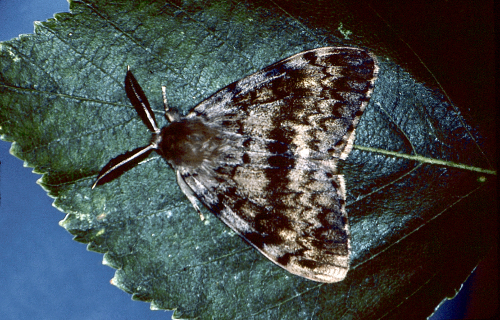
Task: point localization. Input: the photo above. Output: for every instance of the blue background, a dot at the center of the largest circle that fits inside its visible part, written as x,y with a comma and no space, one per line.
44,274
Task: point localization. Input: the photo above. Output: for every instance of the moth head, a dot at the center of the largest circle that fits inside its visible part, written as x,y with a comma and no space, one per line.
188,143
185,142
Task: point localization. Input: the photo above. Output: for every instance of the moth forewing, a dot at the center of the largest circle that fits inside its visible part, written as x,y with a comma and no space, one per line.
261,154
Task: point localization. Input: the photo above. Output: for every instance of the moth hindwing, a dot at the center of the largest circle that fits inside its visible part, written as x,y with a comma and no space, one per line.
262,153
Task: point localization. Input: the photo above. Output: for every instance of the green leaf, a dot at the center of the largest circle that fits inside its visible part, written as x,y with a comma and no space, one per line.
416,171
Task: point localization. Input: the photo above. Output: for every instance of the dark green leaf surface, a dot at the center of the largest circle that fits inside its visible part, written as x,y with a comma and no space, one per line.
415,236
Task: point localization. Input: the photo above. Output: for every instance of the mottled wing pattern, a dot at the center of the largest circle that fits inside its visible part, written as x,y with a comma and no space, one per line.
275,181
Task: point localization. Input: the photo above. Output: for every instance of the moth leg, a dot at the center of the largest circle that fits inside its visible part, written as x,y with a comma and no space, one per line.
189,194
172,114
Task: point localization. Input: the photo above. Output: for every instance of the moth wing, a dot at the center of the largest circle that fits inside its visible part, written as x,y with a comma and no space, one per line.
294,217
312,100
274,178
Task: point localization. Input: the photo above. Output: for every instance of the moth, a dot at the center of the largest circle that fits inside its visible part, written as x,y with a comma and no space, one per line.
262,155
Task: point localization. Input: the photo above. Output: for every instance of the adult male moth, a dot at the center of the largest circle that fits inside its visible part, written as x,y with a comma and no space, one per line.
261,154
